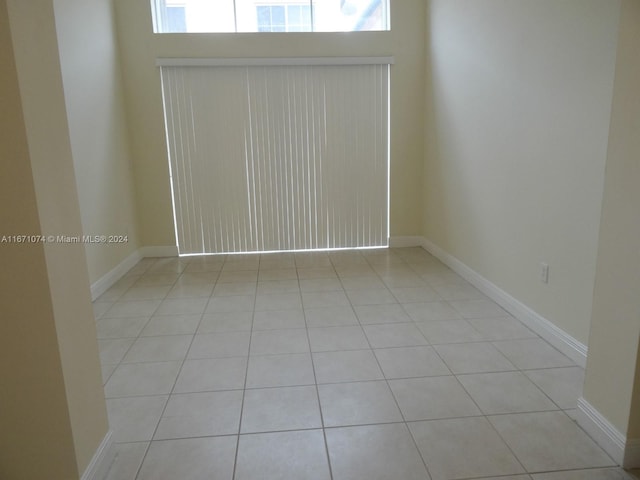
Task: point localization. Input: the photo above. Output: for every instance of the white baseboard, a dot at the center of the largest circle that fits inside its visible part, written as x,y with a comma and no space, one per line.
540,325
159,251
104,283
101,461
625,452
404,242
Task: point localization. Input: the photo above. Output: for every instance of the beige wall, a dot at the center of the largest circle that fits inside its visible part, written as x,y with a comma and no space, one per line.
98,128
54,418
612,364
140,48
518,102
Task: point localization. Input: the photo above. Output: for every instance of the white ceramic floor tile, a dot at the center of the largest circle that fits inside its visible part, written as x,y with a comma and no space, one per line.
282,408
113,350
358,403
562,385
237,288
431,398
237,276
107,370
200,415
171,325
240,303
146,292
378,296
353,270
463,448
449,331
204,264
189,459
312,260
182,306
276,261
127,461
167,265
330,317
278,319
504,328
306,277
405,362
134,419
226,322
375,452
346,366
198,278
219,345
330,339
395,271
415,294
158,349
508,477
100,308
310,285
282,455
394,335
153,312
211,374
380,314
157,279
280,370
324,299
438,277
362,283
458,291
532,353
277,274
549,441
274,342
477,308
120,327
132,379
403,280
278,286
430,311
473,358
505,392
134,308
278,301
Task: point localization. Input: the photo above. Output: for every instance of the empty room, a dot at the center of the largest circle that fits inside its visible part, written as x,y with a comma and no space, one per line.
320,239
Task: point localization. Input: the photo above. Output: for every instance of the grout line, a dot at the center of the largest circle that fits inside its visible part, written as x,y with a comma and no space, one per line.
246,376
381,270
315,380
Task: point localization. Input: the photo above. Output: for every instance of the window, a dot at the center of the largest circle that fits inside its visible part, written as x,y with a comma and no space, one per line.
176,19
278,157
194,16
284,18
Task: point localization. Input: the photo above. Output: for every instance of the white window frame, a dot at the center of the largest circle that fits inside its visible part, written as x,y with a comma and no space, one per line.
318,22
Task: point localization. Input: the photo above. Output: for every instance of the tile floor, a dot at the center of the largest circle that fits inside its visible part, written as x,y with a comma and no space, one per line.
375,364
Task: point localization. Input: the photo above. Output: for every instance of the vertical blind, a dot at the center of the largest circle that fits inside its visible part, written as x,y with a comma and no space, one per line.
278,157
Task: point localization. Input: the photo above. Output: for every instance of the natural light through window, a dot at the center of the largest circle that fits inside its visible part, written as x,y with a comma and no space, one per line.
202,16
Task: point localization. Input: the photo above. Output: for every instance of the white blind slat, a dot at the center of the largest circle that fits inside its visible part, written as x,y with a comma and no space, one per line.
279,157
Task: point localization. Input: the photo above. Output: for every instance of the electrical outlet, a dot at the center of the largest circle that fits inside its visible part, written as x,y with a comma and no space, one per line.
544,272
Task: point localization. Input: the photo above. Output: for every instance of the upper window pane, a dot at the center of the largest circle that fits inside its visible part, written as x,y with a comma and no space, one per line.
194,16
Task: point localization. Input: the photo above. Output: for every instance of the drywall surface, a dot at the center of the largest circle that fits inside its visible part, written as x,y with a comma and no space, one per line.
612,366
65,321
94,98
518,106
140,48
